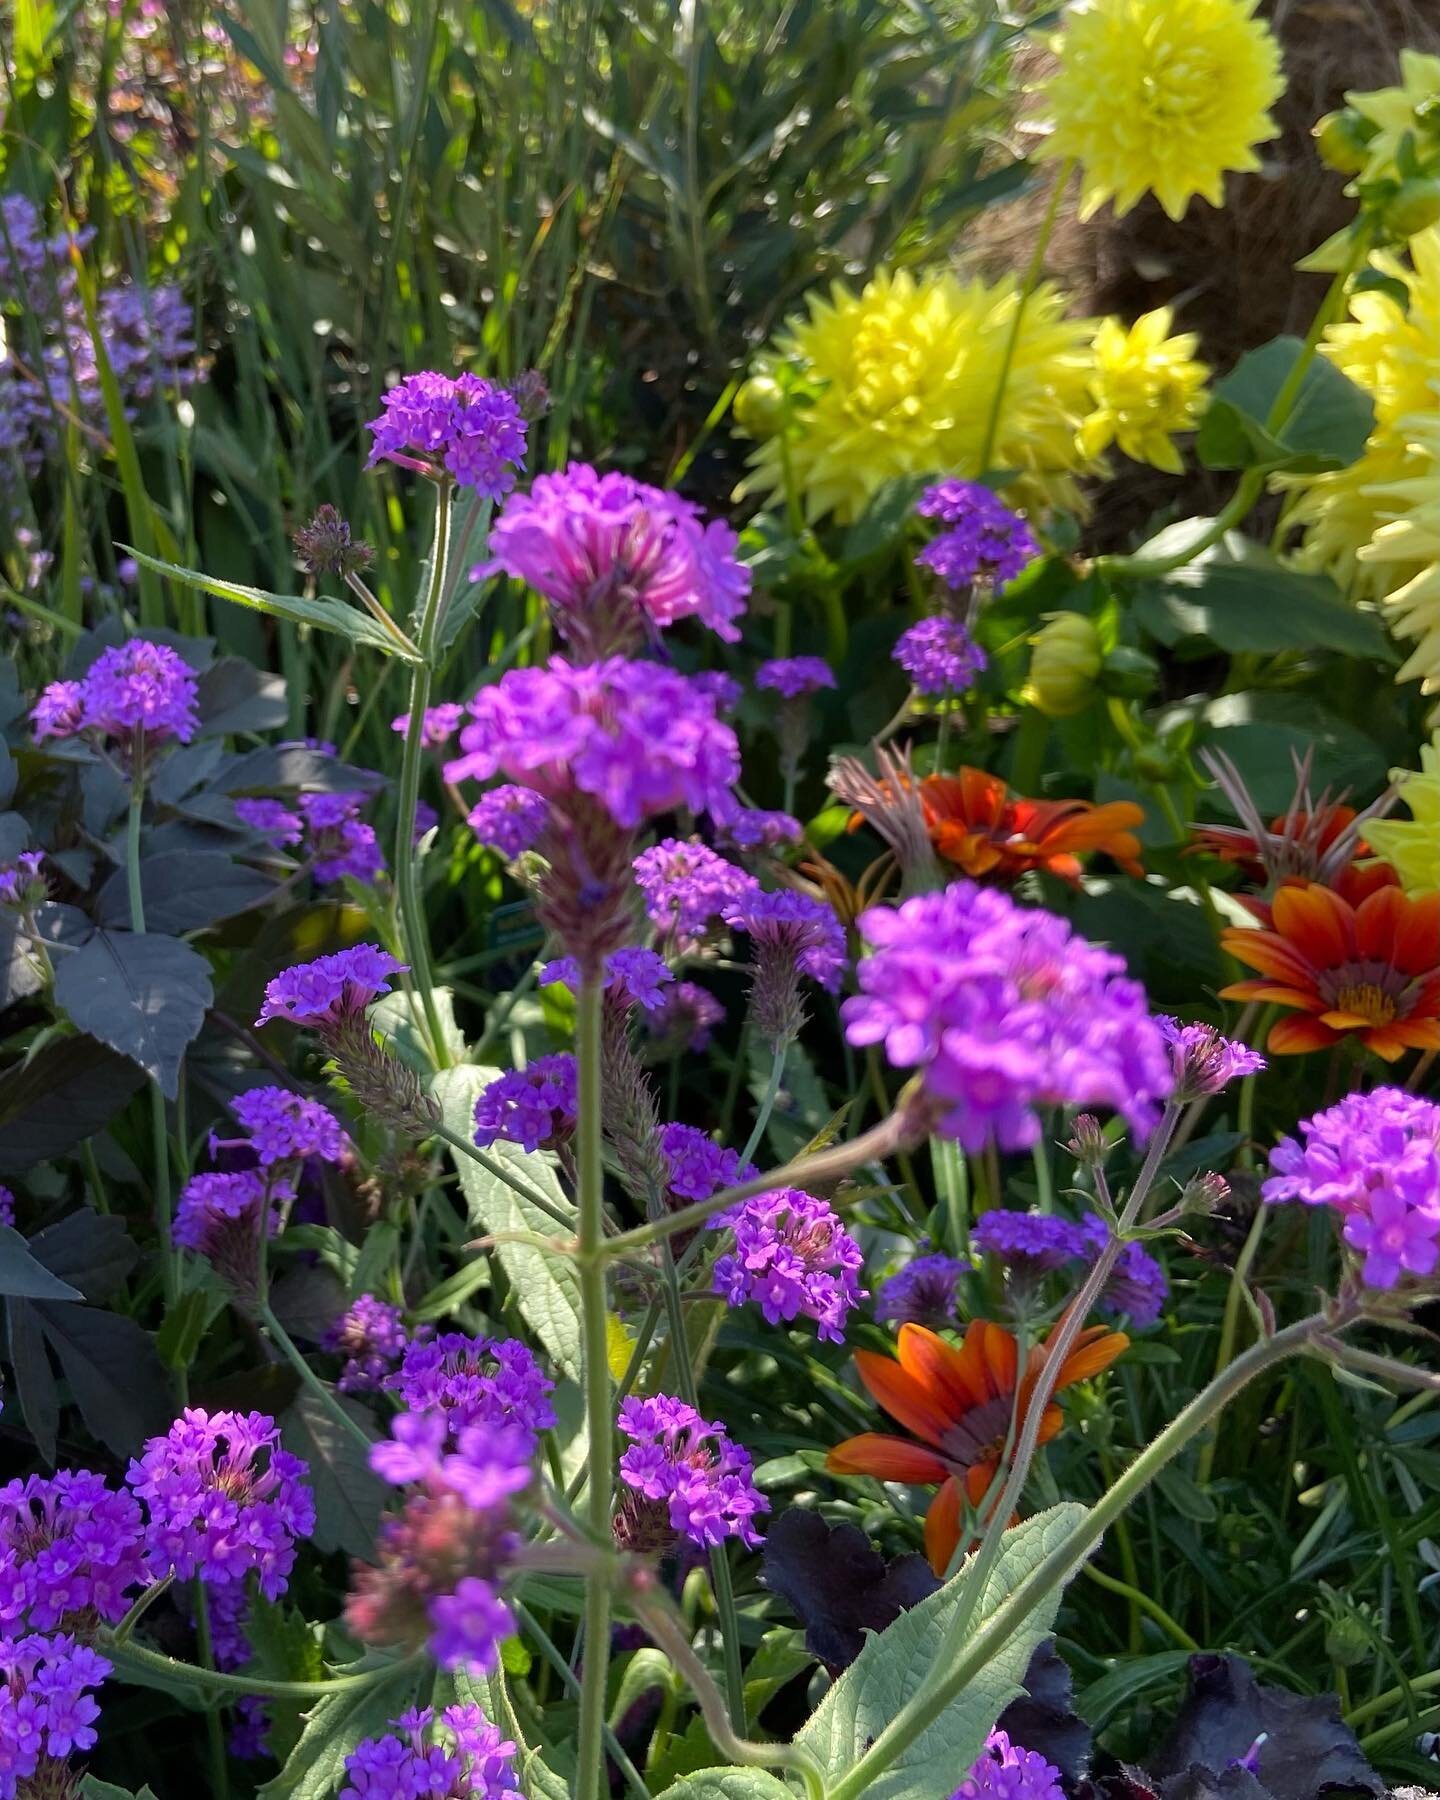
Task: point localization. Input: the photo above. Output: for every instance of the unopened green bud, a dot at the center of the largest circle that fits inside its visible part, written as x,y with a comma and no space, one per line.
1342,140
1065,659
760,406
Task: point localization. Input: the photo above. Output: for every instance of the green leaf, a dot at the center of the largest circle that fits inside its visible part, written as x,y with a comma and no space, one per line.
897,1662
1263,732
394,1016
21,1275
1098,1703
879,527
325,615
1243,598
729,1784
93,1788
1326,428
115,1376
545,1287
143,995
334,1726
349,1497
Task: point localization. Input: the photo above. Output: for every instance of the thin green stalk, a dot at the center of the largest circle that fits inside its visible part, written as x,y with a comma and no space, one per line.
497,1168
214,1729
1370,1709
551,1652
767,1103
159,1135
599,1412
414,931
1230,1326
286,1345
126,1654
1138,1598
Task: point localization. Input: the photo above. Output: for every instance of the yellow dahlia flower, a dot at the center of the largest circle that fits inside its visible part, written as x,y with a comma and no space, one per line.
1404,554
1146,385
1413,107
902,376
1413,844
1162,97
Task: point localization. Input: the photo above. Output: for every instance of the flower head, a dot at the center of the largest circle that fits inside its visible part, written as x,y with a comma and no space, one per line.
690,1468
698,1166
1030,1245
1369,970
286,1127
684,1019
1146,386
939,655
1004,1009
46,1711
924,1292
754,827
370,1334
687,888
220,1216
440,724
534,1107
793,1258
71,1551
1395,112
795,677
983,541
471,427
324,545
632,975
59,712
140,686
22,883
224,1499
1162,97
509,819
459,1756
475,1381
975,823
619,560
1136,1288
790,935
1203,1061
272,819
1412,846
331,989
959,1404
341,843
1006,1771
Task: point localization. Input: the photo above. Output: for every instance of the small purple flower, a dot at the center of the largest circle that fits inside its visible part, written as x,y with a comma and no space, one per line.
509,819
370,1334
1137,1288
723,689
753,827
341,843
471,427
619,560
286,1127
534,1107
940,656
224,1499
330,989
441,724
924,1292
325,545
484,1382
219,1216
684,1019
984,541
46,1711
7,1207
140,686
59,712
790,935
22,883
1030,1245
1203,1060
689,1466
793,1258
687,888
70,1547
1006,1771
698,1166
632,974
795,677
460,1757
1004,1009
272,819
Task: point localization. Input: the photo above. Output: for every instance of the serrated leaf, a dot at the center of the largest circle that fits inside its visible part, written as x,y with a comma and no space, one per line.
349,1498
183,890
92,1250
729,1784
92,1788
393,1015
143,994
896,1663
335,1725
546,1290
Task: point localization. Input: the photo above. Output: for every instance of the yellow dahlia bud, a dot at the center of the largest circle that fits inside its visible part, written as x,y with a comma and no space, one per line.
1415,207
1397,114
760,406
1146,385
1342,140
1064,661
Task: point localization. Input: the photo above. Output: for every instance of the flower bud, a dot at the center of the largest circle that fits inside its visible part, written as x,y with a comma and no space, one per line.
1065,659
1347,1642
1342,139
1087,1143
1204,1193
1415,208
325,546
760,406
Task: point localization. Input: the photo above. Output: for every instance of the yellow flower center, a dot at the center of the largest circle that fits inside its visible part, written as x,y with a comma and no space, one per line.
1367,1002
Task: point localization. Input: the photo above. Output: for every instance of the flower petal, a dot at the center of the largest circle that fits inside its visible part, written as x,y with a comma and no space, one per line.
886,1458
902,1396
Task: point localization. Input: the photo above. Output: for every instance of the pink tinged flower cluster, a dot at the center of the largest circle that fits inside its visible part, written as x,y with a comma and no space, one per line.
138,686
795,677
1006,1771
690,1467
753,827
471,428
640,739
685,1018
331,989
688,887
458,1756
475,1381
601,546
534,1107
791,926
940,656
509,819
370,1334
1204,1061
224,1500
440,724
983,539
793,1259
632,975
71,1550
1003,1009
1374,1159
220,1216
287,1127
698,1166
47,1711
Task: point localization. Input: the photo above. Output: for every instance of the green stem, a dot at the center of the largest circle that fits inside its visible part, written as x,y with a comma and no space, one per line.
1419,1684
551,1652
1230,1327
159,1135
1012,337
285,1344
495,1167
1027,766
599,1420
137,1658
767,1103
414,932
214,1729
1062,1562
1139,1598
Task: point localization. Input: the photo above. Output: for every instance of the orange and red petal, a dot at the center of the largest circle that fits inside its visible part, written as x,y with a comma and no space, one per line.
1269,953
1269,990
1317,921
905,1399
1094,1350
1295,1035
886,1458
940,1369
1417,936
942,1527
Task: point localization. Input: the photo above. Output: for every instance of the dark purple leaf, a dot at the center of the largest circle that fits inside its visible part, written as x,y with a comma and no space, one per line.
1044,1720
114,1372
92,1251
184,891
837,1583
34,1379
24,1278
65,1093
236,696
144,995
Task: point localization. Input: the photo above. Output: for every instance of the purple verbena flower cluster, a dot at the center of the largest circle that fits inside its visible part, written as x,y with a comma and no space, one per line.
1203,1060
46,1711
71,1549
1030,1245
220,1215
631,974
795,677
983,539
924,1292
331,989
940,656
370,1334
460,1756
699,1167
509,819
687,888
470,427
689,1466
341,842
272,819
684,1019
287,1127
441,724
135,687
793,1258
1374,1159
475,1381
1004,1009
22,883
754,827
7,1207
790,935
1006,1771
534,1107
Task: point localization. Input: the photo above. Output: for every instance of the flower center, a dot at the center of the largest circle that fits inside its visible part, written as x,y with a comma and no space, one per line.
1367,1001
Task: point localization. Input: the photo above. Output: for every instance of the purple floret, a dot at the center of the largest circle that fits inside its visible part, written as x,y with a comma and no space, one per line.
471,427
331,988
795,677
691,1468
940,656
534,1107
924,1292
984,541
698,1166
509,819
1006,1771
793,1258
687,888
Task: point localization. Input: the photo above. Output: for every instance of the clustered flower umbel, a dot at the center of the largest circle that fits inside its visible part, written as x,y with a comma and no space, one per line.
1006,1771
939,655
47,1711
793,1259
458,1755
1030,1246
535,1107
371,1335
475,1381
137,693
462,426
925,1292
698,1483
790,935
1374,1160
687,889
1002,1009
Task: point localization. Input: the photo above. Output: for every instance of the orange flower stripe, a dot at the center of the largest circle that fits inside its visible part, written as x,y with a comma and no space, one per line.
975,823
959,1404
1363,962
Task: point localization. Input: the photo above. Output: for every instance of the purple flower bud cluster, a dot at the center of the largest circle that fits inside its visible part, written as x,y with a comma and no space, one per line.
71,1549
691,1468
287,1127
1203,1061
441,724
227,1609
723,689
1004,1009
330,990
220,1216
134,687
688,888
1030,1246
22,883
47,1711
475,1381
1006,1771
795,677
790,935
460,1756
341,842
1374,1159
509,819
793,1258
632,974
924,1292
534,1107
7,1206
370,1334
940,656
469,427
640,739
698,1166
618,560
272,819
984,540
224,1500
684,1019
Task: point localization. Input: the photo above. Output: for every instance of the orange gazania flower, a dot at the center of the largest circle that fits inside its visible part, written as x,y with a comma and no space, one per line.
1364,965
959,1405
1297,843
975,823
